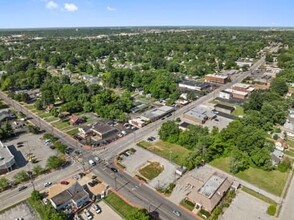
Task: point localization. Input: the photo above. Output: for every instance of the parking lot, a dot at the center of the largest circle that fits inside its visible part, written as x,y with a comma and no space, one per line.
219,122
246,207
135,161
26,144
22,210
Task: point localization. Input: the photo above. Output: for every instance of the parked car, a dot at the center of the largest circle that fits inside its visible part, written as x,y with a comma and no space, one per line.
88,214
45,201
96,208
63,182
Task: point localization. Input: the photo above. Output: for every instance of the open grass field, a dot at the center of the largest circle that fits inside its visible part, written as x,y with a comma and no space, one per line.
73,131
238,111
45,115
123,208
152,170
61,124
271,181
166,150
51,118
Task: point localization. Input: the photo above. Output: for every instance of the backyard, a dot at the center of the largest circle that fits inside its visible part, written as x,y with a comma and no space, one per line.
271,181
173,152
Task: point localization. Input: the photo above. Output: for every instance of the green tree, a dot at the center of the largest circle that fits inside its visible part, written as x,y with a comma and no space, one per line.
21,176
53,162
37,170
279,86
36,195
4,183
169,132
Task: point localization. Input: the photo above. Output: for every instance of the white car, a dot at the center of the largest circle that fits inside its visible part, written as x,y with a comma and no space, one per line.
96,208
88,214
47,184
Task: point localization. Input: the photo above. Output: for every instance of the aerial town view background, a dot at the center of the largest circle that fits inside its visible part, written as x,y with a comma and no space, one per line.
159,118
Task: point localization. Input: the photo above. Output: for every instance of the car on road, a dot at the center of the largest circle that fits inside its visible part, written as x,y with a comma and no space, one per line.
47,184
92,162
114,169
21,188
19,219
63,182
177,213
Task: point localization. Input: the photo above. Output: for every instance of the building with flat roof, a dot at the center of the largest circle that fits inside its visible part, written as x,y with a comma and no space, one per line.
156,113
225,94
242,87
209,194
6,159
193,85
199,115
217,79
224,108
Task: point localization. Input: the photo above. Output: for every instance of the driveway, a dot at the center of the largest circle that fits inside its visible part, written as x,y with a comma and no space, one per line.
134,162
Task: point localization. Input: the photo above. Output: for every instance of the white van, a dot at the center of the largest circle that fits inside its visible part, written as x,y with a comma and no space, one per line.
92,162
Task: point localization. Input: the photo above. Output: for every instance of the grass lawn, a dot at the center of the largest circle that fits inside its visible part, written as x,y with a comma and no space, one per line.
165,150
238,111
52,118
45,115
123,208
31,107
152,170
271,181
289,152
291,144
73,131
61,124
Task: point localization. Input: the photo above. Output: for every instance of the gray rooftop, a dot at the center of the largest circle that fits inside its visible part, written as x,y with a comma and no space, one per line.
196,84
201,112
5,155
212,184
102,128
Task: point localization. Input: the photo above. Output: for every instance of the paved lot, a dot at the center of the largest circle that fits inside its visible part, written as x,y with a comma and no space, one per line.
219,122
246,207
31,143
107,213
134,162
23,210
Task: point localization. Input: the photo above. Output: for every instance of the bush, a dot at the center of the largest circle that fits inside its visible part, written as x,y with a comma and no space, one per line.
271,210
285,165
275,137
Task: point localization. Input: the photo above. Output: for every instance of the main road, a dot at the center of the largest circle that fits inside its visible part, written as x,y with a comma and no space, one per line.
127,186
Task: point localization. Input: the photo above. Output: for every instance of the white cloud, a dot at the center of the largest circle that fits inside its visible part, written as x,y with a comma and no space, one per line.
70,7
51,5
110,8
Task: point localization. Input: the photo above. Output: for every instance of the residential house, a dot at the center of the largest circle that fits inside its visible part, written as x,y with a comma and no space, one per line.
75,120
75,195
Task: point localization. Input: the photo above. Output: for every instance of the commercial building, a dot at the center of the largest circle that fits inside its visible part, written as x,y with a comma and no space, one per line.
156,113
208,195
217,79
239,95
6,159
225,94
102,130
137,122
75,196
224,108
193,85
241,62
242,87
199,115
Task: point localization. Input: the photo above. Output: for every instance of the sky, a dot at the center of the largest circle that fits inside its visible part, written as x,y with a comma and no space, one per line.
101,13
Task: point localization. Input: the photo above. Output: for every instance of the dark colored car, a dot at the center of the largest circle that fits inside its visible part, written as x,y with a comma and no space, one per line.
21,188
114,169
64,182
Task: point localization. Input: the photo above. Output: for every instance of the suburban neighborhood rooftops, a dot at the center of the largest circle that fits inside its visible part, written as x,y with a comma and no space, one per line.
224,107
195,83
211,186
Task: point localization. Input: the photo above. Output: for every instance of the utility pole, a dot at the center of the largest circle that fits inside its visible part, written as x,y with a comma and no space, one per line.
115,184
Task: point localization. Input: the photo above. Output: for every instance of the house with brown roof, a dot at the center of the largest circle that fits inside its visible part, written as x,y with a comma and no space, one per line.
208,195
75,120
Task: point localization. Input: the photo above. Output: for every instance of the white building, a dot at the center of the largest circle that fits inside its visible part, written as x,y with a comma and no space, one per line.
225,94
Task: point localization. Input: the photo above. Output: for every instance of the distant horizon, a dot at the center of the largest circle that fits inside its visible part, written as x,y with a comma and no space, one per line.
26,14
148,26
